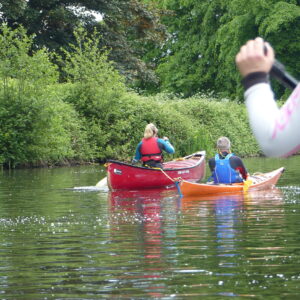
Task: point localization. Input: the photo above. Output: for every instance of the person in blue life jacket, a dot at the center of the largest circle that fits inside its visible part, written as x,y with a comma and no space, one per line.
225,166
150,149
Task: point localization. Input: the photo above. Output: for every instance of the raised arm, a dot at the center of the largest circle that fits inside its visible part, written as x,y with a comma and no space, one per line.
276,129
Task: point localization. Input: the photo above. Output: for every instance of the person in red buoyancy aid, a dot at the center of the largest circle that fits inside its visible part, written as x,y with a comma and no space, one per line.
150,149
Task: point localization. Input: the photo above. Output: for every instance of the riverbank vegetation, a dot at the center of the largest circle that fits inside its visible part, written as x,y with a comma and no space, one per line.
81,79
92,116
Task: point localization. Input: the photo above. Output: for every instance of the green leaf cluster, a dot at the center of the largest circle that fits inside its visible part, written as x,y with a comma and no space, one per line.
36,126
205,36
94,116
126,26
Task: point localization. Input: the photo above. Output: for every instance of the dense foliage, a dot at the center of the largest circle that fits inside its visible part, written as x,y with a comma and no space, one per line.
93,116
36,126
125,26
174,46
204,37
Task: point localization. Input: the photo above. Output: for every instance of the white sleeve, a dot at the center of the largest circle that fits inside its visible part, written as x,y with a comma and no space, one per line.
276,129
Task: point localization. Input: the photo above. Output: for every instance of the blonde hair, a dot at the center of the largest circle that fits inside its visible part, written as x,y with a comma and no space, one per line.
150,131
223,143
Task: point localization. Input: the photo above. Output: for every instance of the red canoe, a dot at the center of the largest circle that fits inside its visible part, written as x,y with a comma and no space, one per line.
261,181
124,176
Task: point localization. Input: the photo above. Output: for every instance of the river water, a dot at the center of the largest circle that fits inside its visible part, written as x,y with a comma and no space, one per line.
57,242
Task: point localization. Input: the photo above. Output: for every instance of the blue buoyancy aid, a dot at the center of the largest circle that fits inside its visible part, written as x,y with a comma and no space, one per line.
223,173
150,150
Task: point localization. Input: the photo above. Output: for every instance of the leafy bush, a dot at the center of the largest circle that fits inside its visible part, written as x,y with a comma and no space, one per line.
191,124
220,118
93,116
36,127
96,87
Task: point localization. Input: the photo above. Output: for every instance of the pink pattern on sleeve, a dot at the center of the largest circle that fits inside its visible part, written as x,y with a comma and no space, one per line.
287,111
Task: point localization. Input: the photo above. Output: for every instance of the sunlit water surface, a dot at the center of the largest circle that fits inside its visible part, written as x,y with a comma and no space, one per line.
57,242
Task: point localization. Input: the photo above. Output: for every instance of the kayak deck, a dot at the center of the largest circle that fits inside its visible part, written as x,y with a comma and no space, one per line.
257,181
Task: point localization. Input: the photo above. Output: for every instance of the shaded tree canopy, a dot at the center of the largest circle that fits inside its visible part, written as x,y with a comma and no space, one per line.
205,36
125,27
195,55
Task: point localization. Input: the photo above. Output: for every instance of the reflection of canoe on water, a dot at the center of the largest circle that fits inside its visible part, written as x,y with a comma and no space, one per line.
124,176
261,181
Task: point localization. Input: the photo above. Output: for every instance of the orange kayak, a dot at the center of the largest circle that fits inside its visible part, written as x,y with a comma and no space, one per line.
261,181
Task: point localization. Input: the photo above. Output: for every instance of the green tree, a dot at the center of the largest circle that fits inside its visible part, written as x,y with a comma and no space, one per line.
206,35
125,26
36,127
276,21
96,88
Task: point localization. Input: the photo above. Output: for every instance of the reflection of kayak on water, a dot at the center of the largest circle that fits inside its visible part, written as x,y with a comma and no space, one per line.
252,197
134,201
137,195
261,181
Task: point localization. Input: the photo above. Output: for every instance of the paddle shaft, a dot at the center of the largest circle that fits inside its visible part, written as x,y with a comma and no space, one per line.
278,72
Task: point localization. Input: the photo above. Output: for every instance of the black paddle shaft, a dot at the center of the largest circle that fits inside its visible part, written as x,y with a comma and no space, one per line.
278,72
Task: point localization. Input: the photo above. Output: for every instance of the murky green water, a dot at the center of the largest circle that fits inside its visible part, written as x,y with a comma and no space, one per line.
59,243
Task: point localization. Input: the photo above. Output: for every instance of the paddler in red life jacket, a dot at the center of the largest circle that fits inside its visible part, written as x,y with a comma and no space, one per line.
225,166
150,149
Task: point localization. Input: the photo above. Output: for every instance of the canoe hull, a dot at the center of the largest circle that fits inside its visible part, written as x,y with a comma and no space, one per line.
260,182
123,176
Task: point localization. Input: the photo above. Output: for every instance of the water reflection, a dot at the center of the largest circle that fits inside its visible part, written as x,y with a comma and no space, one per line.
222,215
66,244
226,209
148,211
241,223
201,243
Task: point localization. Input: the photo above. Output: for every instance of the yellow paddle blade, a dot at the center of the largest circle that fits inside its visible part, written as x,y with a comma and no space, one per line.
247,183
